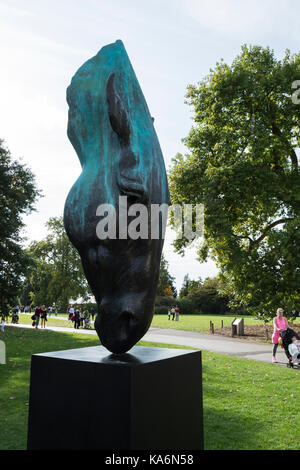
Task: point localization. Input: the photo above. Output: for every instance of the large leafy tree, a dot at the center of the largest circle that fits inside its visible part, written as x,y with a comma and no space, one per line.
243,166
204,296
18,194
57,275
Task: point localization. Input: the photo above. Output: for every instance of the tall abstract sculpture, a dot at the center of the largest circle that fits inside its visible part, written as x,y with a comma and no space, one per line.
112,132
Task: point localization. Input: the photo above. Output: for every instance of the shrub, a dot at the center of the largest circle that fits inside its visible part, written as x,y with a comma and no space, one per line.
164,300
162,310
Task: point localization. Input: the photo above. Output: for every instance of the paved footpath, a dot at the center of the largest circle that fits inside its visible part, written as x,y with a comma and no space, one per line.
213,343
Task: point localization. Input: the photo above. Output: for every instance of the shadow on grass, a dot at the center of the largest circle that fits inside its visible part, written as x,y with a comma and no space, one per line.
228,430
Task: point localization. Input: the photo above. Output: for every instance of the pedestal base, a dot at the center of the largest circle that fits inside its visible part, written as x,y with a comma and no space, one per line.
148,399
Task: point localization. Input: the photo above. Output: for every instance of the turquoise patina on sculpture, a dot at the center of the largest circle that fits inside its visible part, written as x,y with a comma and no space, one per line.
112,132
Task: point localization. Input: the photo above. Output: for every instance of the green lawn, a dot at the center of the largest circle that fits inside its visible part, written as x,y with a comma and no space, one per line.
201,323
198,323
247,404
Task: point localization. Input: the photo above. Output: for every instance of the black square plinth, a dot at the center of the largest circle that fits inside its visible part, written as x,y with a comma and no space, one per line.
147,399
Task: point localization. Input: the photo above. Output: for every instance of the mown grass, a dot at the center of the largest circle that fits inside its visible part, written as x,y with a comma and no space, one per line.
247,404
25,319
199,323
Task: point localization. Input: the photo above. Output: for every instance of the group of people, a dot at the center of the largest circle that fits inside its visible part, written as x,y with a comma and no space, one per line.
79,317
76,315
6,313
40,313
174,312
52,310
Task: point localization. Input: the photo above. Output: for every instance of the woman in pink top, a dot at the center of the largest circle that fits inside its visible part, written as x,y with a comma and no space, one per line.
280,324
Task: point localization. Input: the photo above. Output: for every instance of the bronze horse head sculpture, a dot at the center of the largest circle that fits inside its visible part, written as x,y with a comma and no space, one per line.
112,132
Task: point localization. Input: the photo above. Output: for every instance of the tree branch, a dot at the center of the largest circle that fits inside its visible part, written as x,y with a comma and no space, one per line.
276,131
265,232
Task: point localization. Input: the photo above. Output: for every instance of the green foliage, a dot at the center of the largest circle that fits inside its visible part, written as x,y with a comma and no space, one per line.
161,310
90,306
164,301
243,166
207,298
187,306
202,297
165,281
57,274
195,297
185,286
18,194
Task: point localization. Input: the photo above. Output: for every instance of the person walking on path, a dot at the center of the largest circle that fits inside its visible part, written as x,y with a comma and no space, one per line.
86,317
43,316
71,311
77,319
81,317
173,313
37,314
280,324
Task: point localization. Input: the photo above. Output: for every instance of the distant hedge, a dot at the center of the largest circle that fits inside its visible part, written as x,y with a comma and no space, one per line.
161,310
188,306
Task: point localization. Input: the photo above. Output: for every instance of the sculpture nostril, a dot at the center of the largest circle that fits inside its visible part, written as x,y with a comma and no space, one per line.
127,321
126,314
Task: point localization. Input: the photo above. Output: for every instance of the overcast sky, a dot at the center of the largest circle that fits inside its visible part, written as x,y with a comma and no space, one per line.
170,43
